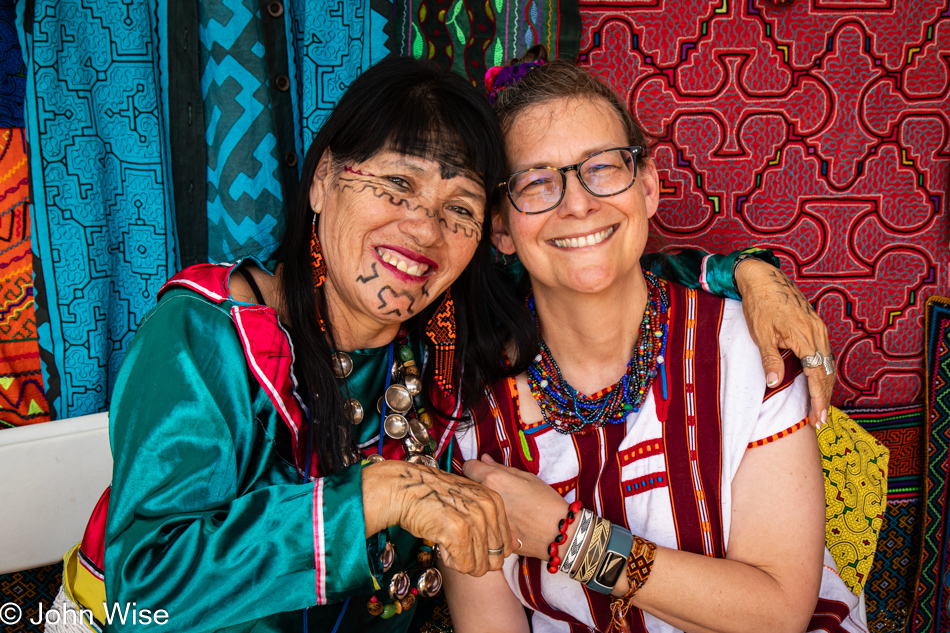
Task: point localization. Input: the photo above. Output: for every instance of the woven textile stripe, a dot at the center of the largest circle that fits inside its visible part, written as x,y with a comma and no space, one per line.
245,199
932,609
901,430
22,397
779,435
103,234
12,72
818,129
890,586
28,589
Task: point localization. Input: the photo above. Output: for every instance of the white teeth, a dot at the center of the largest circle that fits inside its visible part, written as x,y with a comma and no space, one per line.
409,267
587,240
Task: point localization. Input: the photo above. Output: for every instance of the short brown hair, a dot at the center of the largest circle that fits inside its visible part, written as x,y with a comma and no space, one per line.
556,80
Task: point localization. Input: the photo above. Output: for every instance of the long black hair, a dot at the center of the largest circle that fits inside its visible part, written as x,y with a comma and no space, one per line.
416,108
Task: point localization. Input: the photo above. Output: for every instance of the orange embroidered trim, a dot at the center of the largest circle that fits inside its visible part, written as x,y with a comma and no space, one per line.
778,435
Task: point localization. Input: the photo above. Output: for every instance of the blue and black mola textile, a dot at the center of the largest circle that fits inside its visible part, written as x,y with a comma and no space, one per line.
165,133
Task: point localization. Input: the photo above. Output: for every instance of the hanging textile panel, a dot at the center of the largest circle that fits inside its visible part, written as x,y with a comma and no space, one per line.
335,42
890,586
470,37
245,197
102,227
931,611
818,130
12,71
22,397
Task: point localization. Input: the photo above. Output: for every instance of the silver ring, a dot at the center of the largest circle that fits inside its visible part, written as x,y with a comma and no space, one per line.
820,360
496,552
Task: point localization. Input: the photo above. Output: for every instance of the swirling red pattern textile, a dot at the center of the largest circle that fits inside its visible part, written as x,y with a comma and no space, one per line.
817,128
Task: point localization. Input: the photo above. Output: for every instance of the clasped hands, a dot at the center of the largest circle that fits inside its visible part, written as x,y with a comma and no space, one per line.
493,507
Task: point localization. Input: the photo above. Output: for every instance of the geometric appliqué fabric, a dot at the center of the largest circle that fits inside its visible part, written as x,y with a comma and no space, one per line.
932,609
855,469
818,129
103,235
245,198
22,396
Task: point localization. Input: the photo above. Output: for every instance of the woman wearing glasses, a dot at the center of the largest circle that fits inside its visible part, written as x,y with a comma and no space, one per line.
683,493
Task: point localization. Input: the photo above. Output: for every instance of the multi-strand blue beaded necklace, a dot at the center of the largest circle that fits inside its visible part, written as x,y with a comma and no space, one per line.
570,411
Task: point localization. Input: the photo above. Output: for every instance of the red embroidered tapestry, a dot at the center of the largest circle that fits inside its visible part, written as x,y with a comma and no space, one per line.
817,128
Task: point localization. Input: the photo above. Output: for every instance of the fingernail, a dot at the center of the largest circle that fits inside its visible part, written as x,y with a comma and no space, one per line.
772,379
488,458
824,417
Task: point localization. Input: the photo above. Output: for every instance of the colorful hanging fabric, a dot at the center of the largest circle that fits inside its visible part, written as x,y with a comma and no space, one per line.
103,232
931,612
333,43
470,37
12,71
22,396
817,130
855,467
245,201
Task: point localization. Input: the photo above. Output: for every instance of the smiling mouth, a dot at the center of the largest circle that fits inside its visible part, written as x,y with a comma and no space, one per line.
591,239
402,263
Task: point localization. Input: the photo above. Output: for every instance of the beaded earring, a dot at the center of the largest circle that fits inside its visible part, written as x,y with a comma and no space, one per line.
317,265
441,330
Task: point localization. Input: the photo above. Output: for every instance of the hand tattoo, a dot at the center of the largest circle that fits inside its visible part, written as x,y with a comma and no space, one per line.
790,291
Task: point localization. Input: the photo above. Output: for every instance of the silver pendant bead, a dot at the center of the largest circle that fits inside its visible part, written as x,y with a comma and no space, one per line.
413,384
353,410
418,432
398,398
396,426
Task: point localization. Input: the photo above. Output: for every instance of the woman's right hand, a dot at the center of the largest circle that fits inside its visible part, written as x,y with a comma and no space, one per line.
463,517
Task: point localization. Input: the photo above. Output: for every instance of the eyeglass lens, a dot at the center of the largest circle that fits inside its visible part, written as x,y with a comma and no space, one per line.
604,174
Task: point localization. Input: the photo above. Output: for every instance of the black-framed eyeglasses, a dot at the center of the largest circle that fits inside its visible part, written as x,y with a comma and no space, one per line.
603,174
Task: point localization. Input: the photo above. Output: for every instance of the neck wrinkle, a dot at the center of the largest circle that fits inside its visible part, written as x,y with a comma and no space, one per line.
593,337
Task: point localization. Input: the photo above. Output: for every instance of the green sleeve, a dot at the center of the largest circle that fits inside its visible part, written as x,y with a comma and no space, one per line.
206,520
697,269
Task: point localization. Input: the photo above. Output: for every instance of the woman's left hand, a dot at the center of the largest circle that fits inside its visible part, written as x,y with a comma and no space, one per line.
533,507
779,316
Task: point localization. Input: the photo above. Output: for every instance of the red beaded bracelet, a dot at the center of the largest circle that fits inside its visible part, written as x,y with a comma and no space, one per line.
554,561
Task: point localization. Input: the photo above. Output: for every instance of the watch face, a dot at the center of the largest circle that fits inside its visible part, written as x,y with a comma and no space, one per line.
610,571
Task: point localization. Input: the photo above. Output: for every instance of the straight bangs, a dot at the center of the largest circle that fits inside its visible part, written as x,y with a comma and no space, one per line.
434,115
